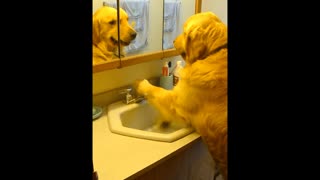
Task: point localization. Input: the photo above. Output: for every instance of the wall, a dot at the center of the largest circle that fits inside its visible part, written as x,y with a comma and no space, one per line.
219,7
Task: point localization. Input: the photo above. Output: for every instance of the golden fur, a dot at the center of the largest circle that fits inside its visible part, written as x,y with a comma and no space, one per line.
105,34
200,97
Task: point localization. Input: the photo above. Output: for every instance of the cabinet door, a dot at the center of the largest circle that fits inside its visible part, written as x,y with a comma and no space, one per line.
192,163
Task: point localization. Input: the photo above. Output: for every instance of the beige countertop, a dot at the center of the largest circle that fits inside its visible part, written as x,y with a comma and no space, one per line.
118,157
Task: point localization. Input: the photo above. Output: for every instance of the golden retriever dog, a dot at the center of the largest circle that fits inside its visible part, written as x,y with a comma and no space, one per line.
105,34
200,97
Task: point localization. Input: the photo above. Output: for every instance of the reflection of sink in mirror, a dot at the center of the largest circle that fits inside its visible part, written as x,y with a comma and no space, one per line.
139,120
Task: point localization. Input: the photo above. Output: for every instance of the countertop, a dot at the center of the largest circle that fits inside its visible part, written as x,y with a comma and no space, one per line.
118,157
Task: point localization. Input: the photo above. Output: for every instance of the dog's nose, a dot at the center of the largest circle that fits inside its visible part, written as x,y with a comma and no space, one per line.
133,35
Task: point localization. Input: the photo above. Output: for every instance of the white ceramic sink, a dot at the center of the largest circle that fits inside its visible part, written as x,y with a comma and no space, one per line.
138,120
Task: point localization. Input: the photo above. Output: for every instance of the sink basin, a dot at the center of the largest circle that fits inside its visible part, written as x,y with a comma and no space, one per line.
139,120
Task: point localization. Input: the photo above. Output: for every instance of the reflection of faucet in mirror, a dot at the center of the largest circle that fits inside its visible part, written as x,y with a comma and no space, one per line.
105,40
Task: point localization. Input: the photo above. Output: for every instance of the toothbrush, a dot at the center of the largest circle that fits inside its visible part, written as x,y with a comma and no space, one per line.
172,69
165,69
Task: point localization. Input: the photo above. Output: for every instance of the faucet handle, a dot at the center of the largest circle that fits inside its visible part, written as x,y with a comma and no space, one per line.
125,91
129,97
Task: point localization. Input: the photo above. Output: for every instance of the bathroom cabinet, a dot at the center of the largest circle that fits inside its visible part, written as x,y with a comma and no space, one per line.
192,163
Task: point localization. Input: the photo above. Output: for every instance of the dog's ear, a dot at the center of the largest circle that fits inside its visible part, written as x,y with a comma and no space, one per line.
195,46
217,34
95,30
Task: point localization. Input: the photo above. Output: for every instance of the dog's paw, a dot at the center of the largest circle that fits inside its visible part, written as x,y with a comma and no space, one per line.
141,86
165,124
136,84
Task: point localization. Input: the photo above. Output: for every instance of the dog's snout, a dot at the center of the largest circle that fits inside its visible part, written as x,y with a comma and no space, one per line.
133,35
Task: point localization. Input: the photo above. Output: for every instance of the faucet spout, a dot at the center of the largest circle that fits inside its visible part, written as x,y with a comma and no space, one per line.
129,97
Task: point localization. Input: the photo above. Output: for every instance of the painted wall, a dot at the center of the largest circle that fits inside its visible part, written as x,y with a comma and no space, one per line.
219,7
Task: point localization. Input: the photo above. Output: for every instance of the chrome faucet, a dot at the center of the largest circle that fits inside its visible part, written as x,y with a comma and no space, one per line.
129,97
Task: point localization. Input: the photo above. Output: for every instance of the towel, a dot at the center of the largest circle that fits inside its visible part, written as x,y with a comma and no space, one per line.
170,15
171,23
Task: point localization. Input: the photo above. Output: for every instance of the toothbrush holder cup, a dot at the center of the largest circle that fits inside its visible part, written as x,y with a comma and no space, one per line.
166,82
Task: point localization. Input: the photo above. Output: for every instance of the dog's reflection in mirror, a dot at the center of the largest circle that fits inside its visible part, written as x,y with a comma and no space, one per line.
105,41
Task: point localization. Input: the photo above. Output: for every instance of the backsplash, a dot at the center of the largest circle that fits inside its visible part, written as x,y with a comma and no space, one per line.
106,84
108,97
107,80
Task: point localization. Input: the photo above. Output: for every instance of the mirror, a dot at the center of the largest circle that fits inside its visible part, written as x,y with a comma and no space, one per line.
175,14
166,18
105,47
146,17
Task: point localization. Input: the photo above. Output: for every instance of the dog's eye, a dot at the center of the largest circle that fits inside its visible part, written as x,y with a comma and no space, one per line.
113,22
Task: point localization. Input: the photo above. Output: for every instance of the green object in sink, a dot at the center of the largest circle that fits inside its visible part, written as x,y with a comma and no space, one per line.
96,112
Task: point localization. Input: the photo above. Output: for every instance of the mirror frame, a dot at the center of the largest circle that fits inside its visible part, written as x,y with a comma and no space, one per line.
145,57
